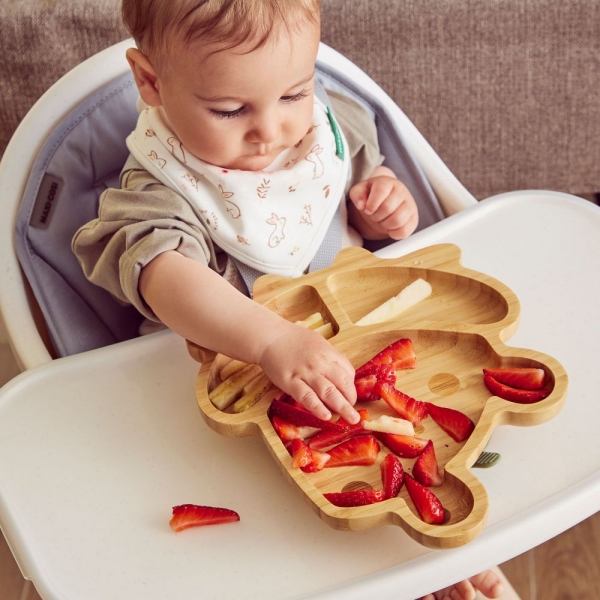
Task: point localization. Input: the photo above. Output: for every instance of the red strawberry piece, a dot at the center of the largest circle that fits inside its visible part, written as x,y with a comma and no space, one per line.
382,372
513,394
455,423
425,469
361,450
299,416
366,388
355,497
520,378
324,439
392,475
367,377
301,453
192,515
408,408
399,355
286,431
405,446
319,460
428,505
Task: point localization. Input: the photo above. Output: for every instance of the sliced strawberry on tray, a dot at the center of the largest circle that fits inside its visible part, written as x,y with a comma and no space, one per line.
513,394
455,423
405,446
399,355
428,505
355,497
323,439
392,475
408,408
319,460
425,469
366,388
368,376
301,453
524,378
299,416
286,431
192,515
361,450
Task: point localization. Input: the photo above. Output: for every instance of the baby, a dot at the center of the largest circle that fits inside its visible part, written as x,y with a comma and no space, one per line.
241,165
238,168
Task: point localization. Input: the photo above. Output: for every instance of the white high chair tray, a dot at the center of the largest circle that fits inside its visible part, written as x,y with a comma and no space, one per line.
95,450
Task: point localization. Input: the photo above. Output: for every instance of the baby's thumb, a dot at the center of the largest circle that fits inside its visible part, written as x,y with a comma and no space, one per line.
359,193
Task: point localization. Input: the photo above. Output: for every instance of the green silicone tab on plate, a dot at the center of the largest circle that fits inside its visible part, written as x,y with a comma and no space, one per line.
486,460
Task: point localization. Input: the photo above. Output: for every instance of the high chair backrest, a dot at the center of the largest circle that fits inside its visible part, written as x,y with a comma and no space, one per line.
70,148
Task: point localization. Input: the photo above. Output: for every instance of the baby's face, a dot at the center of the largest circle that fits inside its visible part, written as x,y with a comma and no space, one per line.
239,111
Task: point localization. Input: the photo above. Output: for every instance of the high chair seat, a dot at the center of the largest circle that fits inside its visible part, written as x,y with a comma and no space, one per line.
71,147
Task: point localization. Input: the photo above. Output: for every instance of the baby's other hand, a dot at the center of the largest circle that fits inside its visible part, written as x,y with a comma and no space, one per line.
306,366
383,207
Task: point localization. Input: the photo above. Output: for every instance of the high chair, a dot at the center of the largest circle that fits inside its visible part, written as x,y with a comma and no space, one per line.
97,445
71,146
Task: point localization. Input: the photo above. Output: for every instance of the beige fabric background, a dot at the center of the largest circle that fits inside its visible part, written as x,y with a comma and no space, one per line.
506,91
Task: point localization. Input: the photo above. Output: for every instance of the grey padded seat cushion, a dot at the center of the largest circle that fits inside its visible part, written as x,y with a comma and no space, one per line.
82,157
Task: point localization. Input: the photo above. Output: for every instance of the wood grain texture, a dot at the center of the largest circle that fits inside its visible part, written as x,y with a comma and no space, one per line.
456,332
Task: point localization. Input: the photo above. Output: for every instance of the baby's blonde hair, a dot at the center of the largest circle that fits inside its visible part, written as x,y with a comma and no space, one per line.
225,23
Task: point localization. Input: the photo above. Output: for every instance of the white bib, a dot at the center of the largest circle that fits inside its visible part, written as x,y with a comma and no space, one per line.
272,220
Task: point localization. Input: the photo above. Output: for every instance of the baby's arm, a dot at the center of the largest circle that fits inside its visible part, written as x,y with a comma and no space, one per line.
193,300
382,207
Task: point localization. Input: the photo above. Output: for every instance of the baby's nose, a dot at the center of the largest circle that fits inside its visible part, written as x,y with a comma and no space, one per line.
264,130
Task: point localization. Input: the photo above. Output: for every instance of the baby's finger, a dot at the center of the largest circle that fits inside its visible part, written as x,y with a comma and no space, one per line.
358,194
304,394
333,398
400,232
380,189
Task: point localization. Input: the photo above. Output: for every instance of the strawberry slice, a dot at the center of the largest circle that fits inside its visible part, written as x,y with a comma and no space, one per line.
425,469
428,505
520,378
355,497
323,439
365,388
286,431
383,372
408,408
392,475
367,377
405,446
399,355
299,416
513,394
301,453
192,515
319,460
361,450
455,423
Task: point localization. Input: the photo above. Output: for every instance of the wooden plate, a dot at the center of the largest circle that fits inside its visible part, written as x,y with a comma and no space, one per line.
456,332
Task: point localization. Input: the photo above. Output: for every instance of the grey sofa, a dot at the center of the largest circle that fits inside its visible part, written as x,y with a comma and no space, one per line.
506,92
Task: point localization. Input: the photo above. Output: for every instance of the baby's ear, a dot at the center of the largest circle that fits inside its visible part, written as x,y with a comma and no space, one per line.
145,76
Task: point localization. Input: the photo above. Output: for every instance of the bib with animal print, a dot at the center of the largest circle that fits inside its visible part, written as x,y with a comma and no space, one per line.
273,220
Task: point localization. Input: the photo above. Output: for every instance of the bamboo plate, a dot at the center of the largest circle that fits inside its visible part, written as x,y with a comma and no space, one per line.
456,332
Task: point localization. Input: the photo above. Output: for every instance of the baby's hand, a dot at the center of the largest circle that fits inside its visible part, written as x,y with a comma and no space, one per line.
384,207
306,366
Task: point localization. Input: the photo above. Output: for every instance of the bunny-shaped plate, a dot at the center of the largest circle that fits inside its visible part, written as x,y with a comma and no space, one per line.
456,332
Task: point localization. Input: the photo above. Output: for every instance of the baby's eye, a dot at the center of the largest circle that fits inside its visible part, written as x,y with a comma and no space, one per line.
298,96
227,114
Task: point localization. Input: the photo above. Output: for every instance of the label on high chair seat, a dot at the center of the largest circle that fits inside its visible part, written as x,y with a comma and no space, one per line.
45,201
